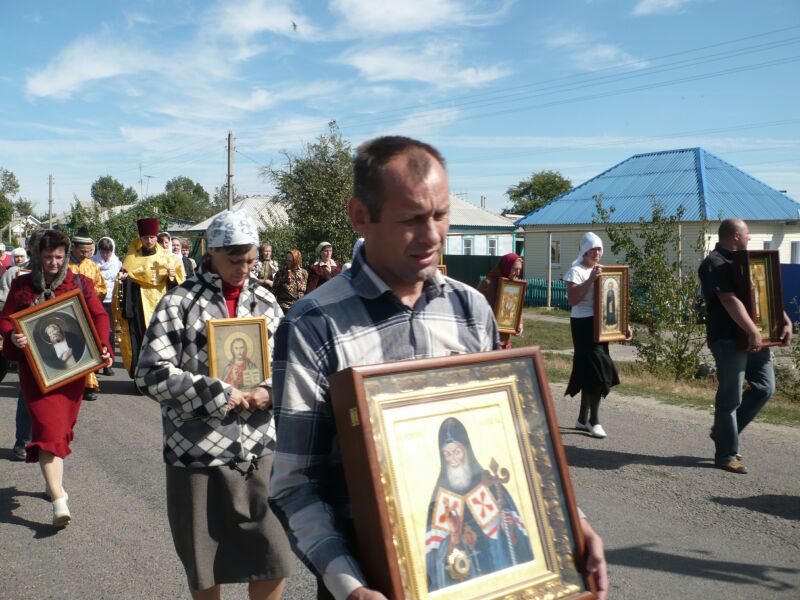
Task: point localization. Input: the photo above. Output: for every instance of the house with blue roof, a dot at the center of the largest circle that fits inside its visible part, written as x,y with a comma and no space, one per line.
707,187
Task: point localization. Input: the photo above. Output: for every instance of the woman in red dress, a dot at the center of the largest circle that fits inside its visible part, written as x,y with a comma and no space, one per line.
53,415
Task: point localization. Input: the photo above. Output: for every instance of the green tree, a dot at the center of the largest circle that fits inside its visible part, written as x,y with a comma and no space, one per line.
278,231
23,207
9,187
107,192
220,200
121,227
536,191
184,199
314,187
664,289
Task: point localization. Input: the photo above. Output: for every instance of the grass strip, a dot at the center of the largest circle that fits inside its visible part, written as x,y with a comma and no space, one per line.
637,381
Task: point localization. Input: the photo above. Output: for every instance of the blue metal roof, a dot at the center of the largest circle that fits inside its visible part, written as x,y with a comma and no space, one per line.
705,185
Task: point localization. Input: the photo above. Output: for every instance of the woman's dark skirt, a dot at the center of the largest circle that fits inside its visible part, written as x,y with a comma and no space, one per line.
223,528
593,371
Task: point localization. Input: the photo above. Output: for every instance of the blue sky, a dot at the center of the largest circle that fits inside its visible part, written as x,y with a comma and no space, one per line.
504,88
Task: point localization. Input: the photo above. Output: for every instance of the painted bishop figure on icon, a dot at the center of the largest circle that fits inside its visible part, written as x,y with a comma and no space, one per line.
474,528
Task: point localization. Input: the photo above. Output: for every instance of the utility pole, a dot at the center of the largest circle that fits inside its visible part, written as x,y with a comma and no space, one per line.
141,192
230,170
50,201
147,189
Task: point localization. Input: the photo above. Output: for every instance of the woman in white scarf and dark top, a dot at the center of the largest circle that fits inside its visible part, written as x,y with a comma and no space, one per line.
324,269
593,371
109,264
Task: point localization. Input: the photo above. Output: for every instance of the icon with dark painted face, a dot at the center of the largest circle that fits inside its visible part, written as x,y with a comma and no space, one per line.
59,343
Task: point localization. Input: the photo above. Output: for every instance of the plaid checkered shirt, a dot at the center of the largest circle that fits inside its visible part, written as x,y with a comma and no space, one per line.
173,369
353,320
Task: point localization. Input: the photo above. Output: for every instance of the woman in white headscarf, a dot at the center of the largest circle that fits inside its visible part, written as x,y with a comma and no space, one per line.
324,269
109,264
593,371
218,439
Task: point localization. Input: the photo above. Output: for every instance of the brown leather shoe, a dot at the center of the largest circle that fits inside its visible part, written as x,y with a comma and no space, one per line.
734,466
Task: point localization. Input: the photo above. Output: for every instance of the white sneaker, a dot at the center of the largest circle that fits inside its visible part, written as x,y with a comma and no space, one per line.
597,431
61,516
581,426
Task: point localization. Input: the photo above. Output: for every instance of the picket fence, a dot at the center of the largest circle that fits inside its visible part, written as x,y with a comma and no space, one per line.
536,293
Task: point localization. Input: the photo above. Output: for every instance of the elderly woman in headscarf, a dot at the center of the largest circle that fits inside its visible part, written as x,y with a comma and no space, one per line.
593,371
53,414
324,269
291,280
510,267
218,439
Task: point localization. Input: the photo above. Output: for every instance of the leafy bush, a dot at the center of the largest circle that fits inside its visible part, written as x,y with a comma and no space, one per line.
787,376
664,289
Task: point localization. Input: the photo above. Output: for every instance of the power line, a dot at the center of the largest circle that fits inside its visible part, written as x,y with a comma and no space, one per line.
539,89
619,92
521,92
248,157
639,140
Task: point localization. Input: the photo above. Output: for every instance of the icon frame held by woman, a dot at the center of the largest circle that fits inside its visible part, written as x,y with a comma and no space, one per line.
509,302
224,337
64,344
612,301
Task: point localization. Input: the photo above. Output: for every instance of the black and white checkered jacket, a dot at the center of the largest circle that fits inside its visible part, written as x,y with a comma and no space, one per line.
173,369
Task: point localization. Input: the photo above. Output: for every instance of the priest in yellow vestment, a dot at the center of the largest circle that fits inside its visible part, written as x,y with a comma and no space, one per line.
148,271
80,263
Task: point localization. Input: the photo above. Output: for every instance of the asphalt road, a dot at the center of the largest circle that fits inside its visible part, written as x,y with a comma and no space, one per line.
674,526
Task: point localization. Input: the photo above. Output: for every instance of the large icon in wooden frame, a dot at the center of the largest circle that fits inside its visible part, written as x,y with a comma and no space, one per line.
757,282
63,344
458,479
612,302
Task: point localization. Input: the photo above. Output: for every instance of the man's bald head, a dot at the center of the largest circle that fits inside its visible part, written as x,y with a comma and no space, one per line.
729,228
734,234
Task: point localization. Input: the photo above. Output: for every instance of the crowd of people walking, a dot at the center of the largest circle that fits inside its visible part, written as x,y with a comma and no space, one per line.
255,472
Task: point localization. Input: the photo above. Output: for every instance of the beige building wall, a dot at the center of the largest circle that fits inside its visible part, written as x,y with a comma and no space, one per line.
567,239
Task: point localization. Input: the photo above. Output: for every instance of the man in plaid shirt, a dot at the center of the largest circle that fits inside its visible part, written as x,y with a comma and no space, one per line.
393,304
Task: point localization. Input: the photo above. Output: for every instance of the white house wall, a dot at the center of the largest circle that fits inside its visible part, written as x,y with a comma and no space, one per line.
480,243
778,234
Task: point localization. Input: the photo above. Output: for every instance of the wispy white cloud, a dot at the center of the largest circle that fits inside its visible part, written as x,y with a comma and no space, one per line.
368,17
85,60
425,123
436,63
589,52
247,18
646,8
604,56
286,134
134,19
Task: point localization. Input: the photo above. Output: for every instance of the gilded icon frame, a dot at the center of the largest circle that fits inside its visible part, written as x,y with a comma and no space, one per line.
758,284
508,304
220,349
386,414
69,313
612,304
